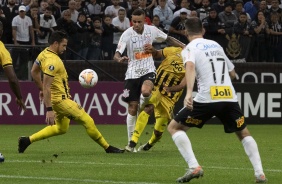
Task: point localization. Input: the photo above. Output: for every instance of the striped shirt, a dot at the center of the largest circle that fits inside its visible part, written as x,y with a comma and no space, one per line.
140,63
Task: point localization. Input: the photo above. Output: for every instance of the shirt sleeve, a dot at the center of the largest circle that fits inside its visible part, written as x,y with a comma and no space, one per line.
50,69
160,36
5,57
122,42
188,55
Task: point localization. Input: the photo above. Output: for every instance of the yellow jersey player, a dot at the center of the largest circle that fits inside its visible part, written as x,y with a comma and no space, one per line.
54,91
6,63
170,77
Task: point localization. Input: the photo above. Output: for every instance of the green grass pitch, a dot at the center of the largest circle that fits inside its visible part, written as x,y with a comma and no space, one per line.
75,158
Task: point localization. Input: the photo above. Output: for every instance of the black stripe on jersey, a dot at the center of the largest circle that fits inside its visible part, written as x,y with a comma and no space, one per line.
172,82
52,51
48,74
7,65
65,86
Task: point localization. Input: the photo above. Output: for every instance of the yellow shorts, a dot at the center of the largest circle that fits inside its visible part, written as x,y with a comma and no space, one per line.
163,105
69,109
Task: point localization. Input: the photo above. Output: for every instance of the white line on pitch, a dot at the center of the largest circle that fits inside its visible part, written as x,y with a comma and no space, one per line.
122,164
71,179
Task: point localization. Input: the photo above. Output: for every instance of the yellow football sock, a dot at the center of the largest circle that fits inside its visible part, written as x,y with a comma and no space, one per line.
160,126
92,130
141,122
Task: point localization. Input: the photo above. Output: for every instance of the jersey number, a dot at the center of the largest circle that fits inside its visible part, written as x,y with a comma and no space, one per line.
223,69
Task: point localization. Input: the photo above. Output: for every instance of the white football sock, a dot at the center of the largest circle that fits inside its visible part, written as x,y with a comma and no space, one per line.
130,122
184,146
143,101
251,149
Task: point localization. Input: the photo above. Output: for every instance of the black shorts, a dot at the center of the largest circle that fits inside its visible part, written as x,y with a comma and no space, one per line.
132,87
229,114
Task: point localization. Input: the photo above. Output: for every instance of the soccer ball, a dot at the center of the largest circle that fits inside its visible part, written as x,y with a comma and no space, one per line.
1,158
88,78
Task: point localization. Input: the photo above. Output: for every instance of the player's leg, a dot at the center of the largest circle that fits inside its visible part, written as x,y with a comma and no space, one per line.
234,121
61,126
131,95
141,123
80,116
178,127
162,114
146,89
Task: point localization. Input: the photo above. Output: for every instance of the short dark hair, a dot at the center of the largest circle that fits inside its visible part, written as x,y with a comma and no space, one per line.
138,12
57,36
194,26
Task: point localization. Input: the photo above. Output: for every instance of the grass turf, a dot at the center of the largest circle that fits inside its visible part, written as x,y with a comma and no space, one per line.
75,158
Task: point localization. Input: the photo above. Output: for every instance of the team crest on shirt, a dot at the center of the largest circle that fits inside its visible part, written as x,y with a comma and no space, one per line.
125,93
51,68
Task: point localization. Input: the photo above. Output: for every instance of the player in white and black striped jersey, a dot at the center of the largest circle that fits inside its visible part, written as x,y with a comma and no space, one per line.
141,70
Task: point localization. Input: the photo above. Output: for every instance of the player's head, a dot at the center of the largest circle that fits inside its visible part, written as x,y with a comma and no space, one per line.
58,41
138,20
194,27
1,29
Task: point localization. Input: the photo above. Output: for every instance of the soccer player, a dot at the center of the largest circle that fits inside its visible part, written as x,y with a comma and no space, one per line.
206,61
6,63
54,91
140,74
170,78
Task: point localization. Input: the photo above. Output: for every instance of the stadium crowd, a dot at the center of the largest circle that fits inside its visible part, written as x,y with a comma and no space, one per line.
95,26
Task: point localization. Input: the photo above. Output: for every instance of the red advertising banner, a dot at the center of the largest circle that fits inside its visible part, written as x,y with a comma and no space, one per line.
103,102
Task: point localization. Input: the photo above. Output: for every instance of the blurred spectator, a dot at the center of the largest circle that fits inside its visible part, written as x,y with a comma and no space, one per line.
228,18
94,51
67,25
63,4
214,28
251,7
203,12
27,4
171,4
84,28
147,8
4,22
108,37
219,6
261,30
165,14
239,9
275,39
184,7
82,8
134,6
275,8
95,9
43,6
22,35
193,13
10,11
112,10
195,4
122,23
74,12
156,23
177,27
264,9
124,4
242,26
47,26
35,18
56,9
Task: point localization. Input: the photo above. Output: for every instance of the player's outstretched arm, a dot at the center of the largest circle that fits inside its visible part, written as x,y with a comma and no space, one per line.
14,85
174,42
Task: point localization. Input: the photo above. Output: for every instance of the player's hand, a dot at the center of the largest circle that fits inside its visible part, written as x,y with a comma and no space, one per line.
21,104
148,48
122,59
50,118
41,96
188,102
